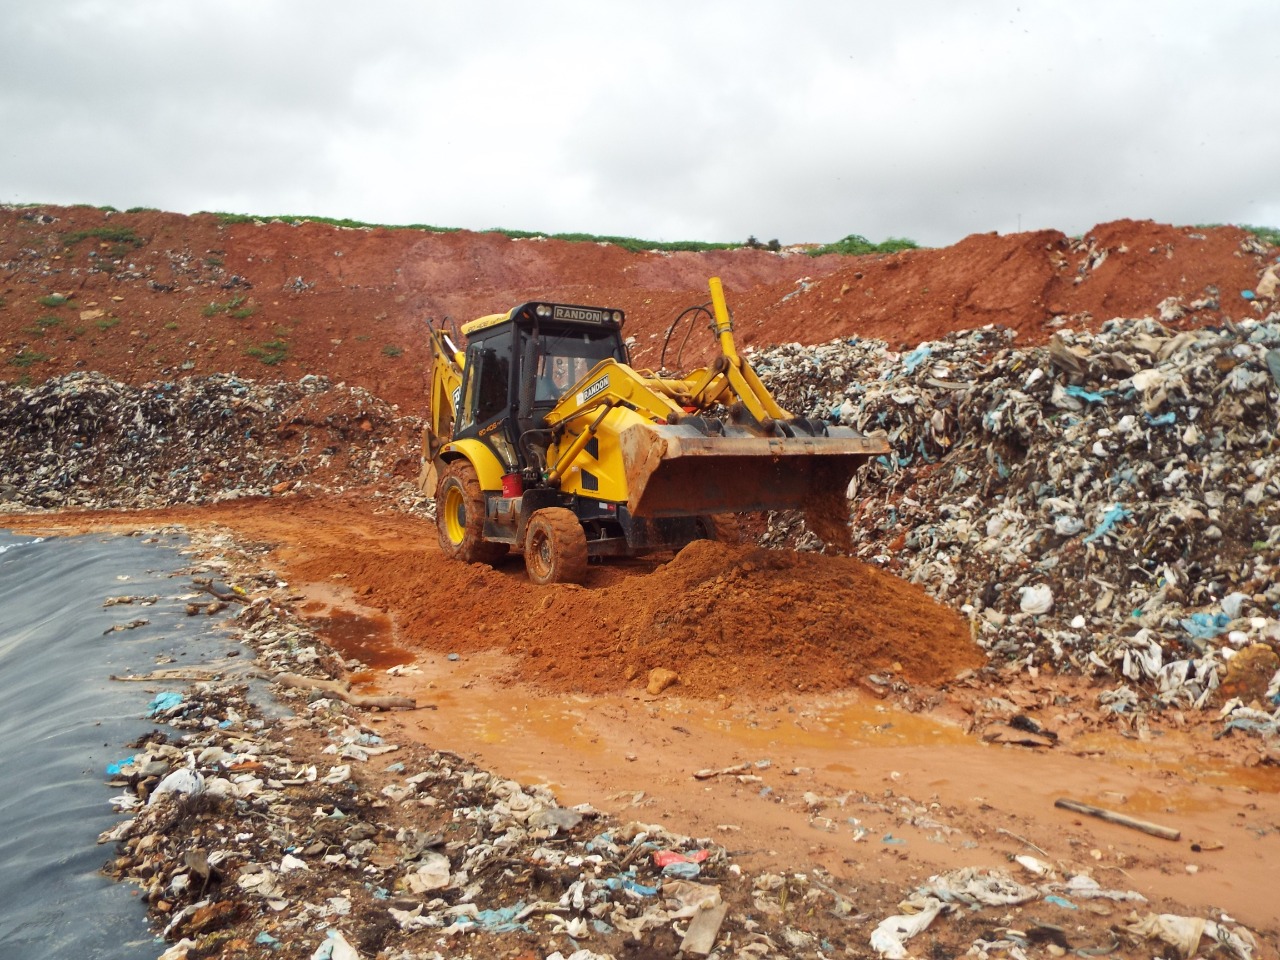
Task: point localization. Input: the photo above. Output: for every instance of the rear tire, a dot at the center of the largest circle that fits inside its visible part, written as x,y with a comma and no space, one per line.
460,516
555,547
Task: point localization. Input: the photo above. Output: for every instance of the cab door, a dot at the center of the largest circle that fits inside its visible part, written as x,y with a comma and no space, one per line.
484,402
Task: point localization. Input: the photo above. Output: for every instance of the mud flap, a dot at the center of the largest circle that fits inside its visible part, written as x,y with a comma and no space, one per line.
678,471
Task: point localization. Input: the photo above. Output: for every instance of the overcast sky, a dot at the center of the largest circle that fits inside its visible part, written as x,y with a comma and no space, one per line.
689,120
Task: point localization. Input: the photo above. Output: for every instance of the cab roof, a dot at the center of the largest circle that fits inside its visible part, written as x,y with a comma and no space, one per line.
539,311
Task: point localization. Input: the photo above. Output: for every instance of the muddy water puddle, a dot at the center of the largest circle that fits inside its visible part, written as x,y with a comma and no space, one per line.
364,638
357,633
825,779
842,735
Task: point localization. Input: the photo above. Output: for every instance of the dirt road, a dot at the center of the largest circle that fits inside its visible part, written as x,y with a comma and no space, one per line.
548,685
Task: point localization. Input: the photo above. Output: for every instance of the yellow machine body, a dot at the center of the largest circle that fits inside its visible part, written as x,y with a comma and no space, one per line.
639,461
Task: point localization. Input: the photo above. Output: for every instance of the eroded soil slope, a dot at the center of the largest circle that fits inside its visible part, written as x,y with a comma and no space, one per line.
157,296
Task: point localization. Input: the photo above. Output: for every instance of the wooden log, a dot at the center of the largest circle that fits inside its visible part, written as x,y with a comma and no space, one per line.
161,676
727,771
1154,829
342,690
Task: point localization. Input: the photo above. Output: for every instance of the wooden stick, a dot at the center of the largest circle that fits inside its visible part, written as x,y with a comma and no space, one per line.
342,690
158,676
1010,833
1165,833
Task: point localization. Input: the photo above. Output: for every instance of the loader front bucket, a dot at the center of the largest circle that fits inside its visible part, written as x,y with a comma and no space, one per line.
677,470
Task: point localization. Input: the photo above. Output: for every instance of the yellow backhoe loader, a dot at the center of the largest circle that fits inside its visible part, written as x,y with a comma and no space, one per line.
542,437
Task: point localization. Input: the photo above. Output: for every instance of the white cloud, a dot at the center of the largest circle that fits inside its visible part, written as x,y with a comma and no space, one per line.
666,120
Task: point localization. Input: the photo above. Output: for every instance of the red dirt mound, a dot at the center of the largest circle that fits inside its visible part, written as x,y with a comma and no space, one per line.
1030,282
742,619
158,296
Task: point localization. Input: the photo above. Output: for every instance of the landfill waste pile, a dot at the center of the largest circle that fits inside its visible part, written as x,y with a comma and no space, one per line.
314,832
85,440
1103,503
1107,502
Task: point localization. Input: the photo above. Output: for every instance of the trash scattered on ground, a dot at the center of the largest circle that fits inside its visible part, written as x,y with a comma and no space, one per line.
1185,934
974,889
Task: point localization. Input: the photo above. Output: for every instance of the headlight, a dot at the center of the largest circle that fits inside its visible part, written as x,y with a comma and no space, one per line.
502,446
542,310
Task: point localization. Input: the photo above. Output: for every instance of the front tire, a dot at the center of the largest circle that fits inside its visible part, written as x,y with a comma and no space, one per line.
460,516
555,547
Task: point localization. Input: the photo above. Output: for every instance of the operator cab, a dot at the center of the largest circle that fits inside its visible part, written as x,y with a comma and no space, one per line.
518,366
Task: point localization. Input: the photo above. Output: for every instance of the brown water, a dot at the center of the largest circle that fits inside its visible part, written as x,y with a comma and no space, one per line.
862,787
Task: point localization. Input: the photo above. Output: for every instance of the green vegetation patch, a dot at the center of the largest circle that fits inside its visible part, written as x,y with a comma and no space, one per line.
391,350
850,245
857,245
626,243
294,221
45,323
27,358
52,300
119,235
271,352
234,304
1269,235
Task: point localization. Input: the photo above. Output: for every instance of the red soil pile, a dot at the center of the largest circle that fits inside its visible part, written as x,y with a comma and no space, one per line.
742,619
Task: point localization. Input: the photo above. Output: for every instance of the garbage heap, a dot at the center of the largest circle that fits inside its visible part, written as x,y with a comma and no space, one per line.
85,440
1107,501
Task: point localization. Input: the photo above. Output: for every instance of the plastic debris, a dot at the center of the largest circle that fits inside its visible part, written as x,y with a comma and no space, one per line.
1184,934
891,934
974,886
335,947
164,703
1037,599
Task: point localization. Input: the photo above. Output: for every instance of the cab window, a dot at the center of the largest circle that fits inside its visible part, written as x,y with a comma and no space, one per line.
564,359
488,375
